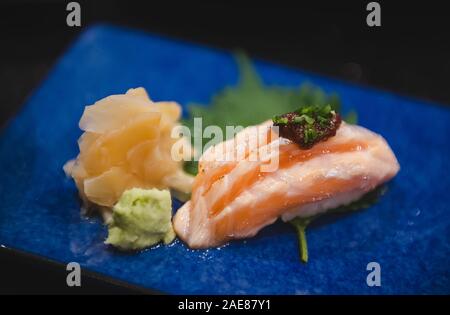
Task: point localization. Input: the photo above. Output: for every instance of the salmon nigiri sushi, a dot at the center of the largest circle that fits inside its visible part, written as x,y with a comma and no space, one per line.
236,198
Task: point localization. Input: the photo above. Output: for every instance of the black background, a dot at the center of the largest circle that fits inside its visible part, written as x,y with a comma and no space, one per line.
408,54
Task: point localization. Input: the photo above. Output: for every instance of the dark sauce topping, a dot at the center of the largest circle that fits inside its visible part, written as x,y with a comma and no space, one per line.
308,125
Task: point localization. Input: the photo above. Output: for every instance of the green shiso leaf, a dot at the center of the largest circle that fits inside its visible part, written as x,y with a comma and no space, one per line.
191,167
300,224
366,201
251,102
351,117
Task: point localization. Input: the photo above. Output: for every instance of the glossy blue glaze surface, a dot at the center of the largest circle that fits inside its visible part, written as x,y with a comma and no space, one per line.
407,232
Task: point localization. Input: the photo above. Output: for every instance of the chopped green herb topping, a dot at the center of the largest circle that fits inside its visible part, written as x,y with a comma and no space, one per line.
308,125
280,120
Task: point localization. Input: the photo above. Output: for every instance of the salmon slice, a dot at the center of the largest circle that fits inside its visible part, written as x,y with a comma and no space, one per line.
235,199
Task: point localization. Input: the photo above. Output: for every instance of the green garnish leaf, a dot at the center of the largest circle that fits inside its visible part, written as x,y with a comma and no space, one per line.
191,167
300,225
366,201
251,102
351,117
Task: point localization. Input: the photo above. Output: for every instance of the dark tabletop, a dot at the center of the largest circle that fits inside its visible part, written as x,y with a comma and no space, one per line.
407,54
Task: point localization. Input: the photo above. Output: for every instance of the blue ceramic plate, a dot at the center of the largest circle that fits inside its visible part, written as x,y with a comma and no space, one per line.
407,232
